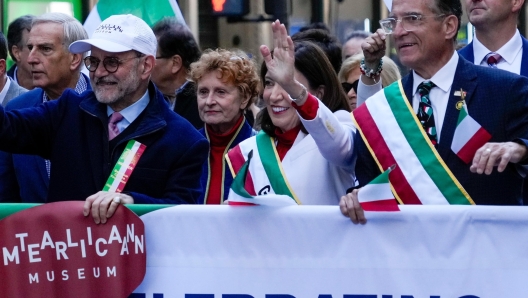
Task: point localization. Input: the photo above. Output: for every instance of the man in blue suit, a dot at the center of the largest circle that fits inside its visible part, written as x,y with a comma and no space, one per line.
424,34
496,32
54,70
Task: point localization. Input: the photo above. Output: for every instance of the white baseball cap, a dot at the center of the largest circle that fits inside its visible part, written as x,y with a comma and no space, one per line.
119,33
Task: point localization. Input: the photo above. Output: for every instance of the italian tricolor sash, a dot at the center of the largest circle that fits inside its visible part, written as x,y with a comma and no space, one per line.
265,170
124,166
393,135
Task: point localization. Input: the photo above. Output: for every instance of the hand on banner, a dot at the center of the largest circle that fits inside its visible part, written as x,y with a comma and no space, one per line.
103,205
350,207
281,66
497,154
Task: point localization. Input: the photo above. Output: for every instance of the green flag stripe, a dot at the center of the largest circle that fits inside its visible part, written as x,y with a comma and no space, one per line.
150,11
271,165
443,179
7,209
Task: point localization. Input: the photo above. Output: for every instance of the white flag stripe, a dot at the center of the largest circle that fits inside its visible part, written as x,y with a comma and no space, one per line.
375,192
92,21
128,159
464,132
265,200
177,11
255,166
408,162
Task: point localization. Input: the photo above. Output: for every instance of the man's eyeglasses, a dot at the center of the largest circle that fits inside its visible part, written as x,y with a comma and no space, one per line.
409,22
348,86
111,64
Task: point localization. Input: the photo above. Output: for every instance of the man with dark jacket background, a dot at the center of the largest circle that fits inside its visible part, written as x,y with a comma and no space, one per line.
84,135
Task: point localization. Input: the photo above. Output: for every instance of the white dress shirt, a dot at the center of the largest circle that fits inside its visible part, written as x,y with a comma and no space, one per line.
439,96
511,54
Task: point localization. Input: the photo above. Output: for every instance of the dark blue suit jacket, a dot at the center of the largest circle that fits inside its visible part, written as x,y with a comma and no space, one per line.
31,181
467,53
496,99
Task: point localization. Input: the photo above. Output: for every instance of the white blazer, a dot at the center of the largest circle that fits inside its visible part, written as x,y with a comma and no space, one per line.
320,165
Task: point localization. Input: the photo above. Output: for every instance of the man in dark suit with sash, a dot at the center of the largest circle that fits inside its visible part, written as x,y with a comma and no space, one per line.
425,37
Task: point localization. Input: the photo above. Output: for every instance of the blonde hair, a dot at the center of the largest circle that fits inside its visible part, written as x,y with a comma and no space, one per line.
390,73
234,66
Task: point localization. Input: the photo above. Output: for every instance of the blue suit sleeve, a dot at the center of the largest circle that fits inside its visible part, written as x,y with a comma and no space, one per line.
9,189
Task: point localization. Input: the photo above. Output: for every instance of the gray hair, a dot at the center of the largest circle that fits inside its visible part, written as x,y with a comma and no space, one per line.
73,29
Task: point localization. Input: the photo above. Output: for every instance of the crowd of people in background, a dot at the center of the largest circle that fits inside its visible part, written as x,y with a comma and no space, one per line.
316,121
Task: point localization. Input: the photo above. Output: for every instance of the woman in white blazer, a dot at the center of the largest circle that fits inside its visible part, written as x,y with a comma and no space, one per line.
305,148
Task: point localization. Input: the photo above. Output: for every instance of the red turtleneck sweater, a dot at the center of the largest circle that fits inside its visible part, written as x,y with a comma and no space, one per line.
218,143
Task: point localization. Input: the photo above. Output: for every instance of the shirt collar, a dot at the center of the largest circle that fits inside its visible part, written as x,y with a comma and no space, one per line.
179,90
80,87
443,78
131,112
3,92
508,51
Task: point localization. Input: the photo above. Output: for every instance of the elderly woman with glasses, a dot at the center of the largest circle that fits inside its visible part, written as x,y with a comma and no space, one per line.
305,149
226,84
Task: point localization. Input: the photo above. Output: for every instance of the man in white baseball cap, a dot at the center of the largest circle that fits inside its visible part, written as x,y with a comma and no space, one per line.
85,134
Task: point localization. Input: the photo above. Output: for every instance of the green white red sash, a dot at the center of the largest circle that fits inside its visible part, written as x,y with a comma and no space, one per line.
124,166
393,135
266,175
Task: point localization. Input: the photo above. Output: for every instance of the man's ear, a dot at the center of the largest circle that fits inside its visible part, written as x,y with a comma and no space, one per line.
148,66
517,5
177,63
450,27
17,52
76,60
3,68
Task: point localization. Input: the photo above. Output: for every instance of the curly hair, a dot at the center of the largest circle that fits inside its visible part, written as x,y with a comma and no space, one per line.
234,66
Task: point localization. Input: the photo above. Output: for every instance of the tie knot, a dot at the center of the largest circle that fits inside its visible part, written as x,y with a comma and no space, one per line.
425,87
115,117
493,58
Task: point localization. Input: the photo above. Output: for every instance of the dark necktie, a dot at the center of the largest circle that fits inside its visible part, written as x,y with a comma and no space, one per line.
492,59
425,111
113,131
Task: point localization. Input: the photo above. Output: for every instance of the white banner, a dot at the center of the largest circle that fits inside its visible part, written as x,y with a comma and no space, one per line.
313,251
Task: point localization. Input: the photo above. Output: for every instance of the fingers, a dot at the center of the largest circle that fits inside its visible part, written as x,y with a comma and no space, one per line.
350,207
112,207
374,47
103,205
88,204
496,155
266,53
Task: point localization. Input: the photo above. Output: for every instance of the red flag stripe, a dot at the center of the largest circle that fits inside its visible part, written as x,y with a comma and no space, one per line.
383,205
377,143
237,161
237,158
467,152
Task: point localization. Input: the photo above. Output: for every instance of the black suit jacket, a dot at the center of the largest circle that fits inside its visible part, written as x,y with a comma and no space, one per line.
187,105
497,100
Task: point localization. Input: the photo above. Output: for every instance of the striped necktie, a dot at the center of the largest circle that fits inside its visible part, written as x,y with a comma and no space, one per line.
492,59
425,111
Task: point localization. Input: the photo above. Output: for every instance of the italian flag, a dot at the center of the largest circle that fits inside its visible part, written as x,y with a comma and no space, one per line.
469,136
149,11
238,195
377,195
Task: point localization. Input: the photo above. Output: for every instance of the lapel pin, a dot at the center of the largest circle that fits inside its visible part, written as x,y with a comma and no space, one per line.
462,95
